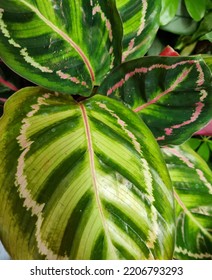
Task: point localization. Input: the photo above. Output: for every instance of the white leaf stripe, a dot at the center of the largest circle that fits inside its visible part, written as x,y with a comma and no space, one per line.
192,255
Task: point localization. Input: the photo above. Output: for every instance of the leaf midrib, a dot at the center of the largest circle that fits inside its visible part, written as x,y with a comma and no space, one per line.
93,174
65,37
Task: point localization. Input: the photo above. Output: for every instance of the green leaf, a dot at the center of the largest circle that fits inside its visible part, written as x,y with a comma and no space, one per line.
67,46
210,144
196,8
140,23
203,32
204,27
81,181
208,60
192,181
207,36
173,95
204,151
182,23
169,9
194,143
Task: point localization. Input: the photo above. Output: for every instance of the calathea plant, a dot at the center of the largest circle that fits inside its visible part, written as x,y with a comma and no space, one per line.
93,164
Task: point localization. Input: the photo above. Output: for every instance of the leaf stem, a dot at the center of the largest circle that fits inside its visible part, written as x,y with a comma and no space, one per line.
3,100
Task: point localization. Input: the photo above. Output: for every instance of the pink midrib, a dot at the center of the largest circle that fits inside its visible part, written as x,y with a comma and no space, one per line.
8,84
91,155
65,37
173,86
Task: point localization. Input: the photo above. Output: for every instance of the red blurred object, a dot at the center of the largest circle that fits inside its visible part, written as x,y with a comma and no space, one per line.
207,130
169,51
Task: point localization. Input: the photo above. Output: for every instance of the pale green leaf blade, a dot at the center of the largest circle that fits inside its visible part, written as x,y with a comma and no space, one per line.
67,46
192,181
140,25
81,181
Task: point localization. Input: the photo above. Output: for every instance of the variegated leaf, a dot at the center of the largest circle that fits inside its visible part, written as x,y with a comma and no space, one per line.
192,181
86,181
68,46
173,95
140,23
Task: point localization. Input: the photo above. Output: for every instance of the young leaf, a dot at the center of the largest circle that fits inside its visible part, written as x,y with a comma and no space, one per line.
196,8
194,143
67,46
192,181
140,23
204,151
169,9
86,181
173,95
182,23
203,32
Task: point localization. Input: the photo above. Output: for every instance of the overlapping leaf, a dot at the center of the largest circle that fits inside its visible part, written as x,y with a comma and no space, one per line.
140,23
182,23
173,95
192,181
67,46
87,181
196,8
168,11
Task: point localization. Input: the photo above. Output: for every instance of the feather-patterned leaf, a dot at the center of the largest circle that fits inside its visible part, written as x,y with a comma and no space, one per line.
173,95
68,46
192,181
87,181
140,23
